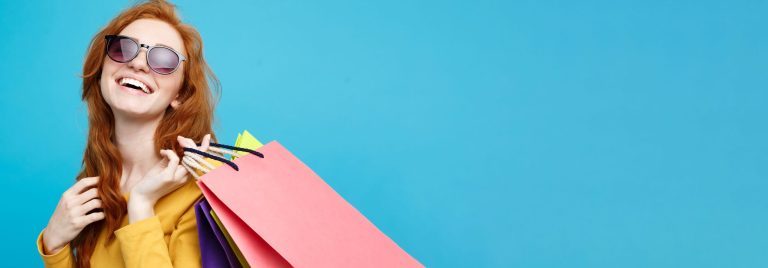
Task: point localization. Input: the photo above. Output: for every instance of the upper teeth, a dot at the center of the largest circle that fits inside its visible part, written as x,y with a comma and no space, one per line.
134,82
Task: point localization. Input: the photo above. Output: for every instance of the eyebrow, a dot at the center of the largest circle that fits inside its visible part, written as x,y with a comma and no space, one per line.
156,44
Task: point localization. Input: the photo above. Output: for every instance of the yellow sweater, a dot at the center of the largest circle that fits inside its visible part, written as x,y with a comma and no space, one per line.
169,239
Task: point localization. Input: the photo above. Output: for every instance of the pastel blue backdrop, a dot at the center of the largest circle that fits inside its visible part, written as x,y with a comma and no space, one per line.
474,133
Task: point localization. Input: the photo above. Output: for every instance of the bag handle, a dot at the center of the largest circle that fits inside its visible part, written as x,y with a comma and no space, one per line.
192,157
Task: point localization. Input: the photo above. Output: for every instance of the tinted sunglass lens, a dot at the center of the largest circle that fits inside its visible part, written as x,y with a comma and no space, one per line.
122,49
163,60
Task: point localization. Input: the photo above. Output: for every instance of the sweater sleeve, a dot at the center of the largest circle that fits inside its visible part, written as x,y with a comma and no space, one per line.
143,244
61,259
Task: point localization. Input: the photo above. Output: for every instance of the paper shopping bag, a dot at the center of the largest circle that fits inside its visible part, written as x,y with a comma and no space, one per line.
217,248
280,213
231,243
214,249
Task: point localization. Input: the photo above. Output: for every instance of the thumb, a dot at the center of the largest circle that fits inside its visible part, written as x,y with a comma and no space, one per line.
186,142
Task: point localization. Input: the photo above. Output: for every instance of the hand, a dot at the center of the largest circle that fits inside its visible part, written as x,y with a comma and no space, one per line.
71,214
162,179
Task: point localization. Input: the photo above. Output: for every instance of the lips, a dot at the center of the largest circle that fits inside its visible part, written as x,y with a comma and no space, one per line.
134,84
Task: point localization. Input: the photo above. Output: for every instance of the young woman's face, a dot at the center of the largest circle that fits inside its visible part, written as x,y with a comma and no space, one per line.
135,103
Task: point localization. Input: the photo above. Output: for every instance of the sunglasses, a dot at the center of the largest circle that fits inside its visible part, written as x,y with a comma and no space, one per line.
161,59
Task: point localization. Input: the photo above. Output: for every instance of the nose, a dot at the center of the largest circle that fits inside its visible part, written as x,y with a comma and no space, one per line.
139,63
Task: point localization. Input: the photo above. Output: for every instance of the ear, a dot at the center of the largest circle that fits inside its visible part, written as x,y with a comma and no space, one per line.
175,102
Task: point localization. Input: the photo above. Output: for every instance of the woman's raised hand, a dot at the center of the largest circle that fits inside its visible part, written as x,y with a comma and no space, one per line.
165,177
71,214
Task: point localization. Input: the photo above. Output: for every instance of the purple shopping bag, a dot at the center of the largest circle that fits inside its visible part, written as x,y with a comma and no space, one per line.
214,249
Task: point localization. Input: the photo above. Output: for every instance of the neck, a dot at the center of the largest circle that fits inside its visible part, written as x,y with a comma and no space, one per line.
135,139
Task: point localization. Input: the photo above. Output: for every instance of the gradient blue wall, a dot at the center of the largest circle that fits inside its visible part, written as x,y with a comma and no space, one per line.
474,133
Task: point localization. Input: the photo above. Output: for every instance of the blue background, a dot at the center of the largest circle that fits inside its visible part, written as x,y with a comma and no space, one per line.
473,133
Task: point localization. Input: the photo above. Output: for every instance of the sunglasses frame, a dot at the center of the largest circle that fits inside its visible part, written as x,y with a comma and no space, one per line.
112,37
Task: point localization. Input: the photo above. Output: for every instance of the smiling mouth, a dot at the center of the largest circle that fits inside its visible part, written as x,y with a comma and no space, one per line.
134,84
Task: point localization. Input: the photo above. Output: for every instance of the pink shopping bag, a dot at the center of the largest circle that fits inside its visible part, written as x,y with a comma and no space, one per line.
281,214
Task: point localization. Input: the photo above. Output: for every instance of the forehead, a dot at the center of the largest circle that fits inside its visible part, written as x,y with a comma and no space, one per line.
153,32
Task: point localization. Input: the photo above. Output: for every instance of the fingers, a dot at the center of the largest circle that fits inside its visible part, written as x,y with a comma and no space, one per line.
88,206
81,185
206,142
189,143
173,159
186,142
86,196
174,169
180,173
86,219
191,161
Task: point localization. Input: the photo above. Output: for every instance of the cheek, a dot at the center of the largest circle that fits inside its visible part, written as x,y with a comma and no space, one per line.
107,69
170,85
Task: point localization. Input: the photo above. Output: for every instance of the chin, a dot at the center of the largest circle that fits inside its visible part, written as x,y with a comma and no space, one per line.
136,112
132,108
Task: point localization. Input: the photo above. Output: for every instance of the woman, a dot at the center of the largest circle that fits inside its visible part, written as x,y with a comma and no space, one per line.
146,85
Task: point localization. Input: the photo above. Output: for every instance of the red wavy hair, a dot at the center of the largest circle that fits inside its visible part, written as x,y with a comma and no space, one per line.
192,119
